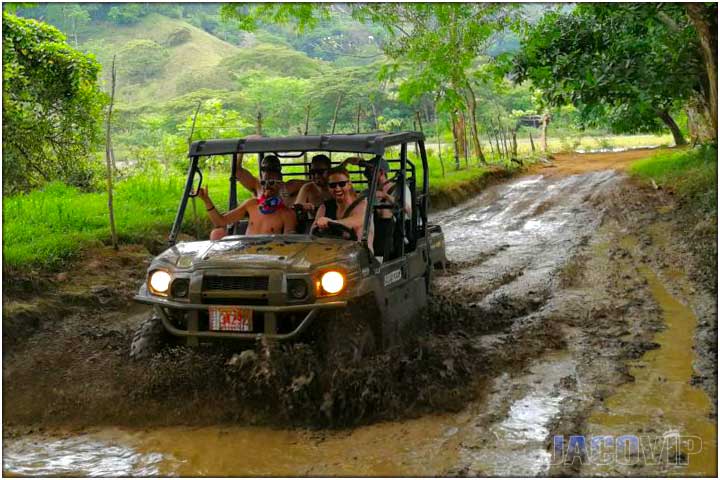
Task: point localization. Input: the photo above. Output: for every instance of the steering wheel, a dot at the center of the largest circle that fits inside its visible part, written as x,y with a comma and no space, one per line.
335,230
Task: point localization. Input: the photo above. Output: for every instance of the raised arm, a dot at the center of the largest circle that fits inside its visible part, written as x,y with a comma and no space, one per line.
245,177
302,195
351,161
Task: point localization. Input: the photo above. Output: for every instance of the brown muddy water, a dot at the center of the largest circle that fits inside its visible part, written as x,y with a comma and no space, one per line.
509,247
661,401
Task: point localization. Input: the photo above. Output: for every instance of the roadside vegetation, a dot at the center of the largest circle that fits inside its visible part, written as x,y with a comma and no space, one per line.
691,175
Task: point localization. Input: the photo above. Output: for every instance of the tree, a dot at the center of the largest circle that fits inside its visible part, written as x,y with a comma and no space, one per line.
617,63
432,47
704,18
127,13
52,107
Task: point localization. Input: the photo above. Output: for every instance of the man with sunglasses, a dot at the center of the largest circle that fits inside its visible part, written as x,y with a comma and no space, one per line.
270,163
315,192
268,213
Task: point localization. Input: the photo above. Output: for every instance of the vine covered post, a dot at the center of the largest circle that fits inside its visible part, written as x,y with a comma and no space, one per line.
108,158
335,115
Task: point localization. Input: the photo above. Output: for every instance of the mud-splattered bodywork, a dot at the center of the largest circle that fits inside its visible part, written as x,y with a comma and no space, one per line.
259,273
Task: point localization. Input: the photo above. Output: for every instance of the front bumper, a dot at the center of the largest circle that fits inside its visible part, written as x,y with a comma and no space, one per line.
270,312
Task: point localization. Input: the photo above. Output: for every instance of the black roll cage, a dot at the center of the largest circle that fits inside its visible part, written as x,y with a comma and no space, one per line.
376,146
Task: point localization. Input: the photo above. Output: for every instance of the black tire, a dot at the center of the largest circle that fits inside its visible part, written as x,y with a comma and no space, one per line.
150,338
348,336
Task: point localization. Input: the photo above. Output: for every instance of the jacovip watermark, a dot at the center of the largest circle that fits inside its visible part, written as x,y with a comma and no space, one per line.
628,450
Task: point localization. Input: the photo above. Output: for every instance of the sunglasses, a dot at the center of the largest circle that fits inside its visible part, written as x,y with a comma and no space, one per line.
333,185
269,183
318,171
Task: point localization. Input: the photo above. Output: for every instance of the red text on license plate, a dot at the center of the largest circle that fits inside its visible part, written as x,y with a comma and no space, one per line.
230,319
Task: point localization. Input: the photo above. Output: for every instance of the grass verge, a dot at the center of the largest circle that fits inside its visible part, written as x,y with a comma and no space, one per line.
46,227
691,175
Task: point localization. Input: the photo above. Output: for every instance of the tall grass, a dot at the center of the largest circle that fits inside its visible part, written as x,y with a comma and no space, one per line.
48,226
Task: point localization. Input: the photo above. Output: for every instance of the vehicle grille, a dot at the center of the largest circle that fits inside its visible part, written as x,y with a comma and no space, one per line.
234,301
235,283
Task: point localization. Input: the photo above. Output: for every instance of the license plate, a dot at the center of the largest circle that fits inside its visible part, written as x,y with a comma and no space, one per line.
230,319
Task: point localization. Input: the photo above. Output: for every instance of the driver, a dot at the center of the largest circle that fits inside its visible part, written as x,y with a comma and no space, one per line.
345,208
268,213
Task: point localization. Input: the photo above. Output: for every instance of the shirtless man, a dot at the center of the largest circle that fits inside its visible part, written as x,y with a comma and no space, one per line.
315,192
268,213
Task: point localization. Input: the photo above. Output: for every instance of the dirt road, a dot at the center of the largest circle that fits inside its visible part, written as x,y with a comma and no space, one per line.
568,309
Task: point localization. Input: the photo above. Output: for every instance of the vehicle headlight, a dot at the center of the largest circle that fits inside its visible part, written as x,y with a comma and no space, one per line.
332,282
160,282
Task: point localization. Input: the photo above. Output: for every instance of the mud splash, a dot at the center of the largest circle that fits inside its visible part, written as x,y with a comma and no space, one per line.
661,400
88,455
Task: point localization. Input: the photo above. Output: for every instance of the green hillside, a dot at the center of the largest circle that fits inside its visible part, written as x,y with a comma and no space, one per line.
185,52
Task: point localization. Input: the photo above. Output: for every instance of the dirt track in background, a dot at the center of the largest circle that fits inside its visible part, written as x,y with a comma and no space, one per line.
560,282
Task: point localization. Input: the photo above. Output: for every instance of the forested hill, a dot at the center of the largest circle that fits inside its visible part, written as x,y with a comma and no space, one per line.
167,51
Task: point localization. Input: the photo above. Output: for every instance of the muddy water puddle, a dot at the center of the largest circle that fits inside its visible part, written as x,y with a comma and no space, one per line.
476,438
661,405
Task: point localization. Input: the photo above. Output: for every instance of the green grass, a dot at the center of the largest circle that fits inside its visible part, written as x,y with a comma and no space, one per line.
690,173
48,226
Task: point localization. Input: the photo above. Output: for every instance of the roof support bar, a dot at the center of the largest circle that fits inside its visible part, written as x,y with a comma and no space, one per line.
183,201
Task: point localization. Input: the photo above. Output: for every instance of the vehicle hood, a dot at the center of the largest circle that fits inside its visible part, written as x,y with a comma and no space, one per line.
287,252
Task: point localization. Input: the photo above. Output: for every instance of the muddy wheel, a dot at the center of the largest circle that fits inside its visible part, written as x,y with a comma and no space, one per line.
347,338
149,338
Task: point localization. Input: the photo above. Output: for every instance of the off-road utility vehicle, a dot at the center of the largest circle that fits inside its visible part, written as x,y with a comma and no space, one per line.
310,285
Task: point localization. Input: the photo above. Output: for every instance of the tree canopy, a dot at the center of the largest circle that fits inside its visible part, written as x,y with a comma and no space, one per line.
52,106
628,65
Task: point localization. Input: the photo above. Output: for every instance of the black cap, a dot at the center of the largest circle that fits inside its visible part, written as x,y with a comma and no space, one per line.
270,163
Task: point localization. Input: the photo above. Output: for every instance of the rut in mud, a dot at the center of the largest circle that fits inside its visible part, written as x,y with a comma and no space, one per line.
530,332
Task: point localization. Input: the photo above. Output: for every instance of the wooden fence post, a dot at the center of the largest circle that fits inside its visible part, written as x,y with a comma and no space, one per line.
437,137
357,130
108,160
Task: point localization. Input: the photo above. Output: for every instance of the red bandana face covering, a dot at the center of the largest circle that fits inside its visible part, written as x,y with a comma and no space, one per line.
269,205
